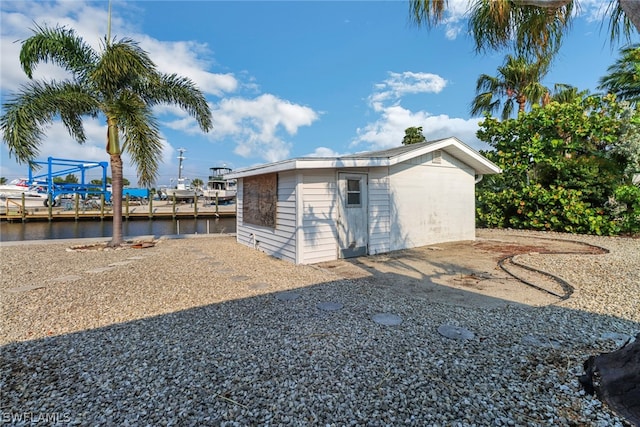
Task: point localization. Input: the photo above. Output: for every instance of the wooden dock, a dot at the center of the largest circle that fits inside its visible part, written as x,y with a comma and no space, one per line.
130,211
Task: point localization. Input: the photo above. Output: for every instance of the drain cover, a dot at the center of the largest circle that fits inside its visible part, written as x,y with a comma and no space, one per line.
329,306
287,296
387,319
455,332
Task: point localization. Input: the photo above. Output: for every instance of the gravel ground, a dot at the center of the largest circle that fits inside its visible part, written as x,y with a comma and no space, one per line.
204,331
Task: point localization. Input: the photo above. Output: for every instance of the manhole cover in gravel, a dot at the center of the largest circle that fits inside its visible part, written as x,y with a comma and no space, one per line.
329,306
387,319
540,341
69,278
25,288
287,296
239,278
455,332
258,286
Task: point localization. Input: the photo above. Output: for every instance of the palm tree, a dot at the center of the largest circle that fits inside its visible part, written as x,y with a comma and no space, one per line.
532,27
197,183
518,81
623,78
119,82
564,93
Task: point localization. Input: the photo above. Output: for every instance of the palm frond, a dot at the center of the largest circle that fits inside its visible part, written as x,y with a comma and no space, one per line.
181,91
428,13
123,64
620,25
35,106
484,103
140,134
508,108
623,77
532,31
60,46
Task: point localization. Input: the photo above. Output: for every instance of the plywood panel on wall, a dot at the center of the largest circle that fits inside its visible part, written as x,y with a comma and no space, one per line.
259,200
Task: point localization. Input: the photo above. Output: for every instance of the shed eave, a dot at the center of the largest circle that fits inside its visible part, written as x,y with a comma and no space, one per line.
455,147
309,163
452,145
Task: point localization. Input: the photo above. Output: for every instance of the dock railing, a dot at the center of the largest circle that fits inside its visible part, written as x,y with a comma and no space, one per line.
77,208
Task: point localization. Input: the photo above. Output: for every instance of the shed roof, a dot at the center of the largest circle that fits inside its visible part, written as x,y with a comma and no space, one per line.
368,159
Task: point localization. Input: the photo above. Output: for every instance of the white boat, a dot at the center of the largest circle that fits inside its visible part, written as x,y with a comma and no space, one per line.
224,190
180,191
11,195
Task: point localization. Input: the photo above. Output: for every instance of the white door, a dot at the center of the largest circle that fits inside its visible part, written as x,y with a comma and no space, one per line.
352,218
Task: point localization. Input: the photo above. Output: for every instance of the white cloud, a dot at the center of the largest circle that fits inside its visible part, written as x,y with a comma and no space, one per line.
257,124
592,10
185,58
408,82
389,130
393,119
454,17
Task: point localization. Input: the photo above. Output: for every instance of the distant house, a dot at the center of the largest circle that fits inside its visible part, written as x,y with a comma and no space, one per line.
314,209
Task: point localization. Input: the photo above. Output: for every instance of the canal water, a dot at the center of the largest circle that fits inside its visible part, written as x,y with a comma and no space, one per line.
45,230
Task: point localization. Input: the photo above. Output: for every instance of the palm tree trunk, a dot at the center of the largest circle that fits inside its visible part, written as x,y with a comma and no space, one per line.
632,10
113,148
116,199
522,103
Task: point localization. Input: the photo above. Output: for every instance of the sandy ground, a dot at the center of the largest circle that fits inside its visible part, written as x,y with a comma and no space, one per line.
468,273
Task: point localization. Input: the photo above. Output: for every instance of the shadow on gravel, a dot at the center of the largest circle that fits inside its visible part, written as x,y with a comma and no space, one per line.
315,356
285,361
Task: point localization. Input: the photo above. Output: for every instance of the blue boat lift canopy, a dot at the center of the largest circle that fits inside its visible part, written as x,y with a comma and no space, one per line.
62,167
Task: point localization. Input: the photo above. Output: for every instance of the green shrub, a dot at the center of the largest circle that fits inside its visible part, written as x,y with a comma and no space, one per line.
626,208
538,208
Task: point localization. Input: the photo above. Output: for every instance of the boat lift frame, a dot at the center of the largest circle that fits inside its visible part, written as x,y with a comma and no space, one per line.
69,167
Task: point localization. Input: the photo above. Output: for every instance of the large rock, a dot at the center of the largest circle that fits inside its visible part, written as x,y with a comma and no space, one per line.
615,378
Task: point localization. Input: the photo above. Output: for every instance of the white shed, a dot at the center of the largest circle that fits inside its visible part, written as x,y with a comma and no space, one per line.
315,209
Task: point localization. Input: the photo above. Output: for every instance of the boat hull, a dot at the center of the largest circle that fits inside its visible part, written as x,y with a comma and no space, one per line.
180,194
223,196
14,202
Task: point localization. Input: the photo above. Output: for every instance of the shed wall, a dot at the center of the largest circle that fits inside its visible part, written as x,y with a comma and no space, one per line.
379,211
319,215
431,202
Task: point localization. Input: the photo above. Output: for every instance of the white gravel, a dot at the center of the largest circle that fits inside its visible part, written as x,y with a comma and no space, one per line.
198,332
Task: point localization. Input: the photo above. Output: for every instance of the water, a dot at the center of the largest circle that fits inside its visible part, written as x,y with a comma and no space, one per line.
45,230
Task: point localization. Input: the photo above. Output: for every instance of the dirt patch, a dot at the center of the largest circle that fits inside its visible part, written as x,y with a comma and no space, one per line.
550,246
466,273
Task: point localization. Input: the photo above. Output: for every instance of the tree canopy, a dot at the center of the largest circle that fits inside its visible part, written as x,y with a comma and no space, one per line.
413,135
623,77
563,167
530,28
517,84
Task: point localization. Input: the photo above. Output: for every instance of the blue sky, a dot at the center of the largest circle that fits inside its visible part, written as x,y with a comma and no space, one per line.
290,79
